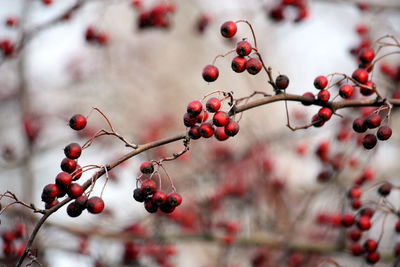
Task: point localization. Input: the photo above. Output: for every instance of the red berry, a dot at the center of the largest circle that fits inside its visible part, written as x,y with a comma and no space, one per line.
367,212
167,208
356,204
364,223
348,219
243,48
239,64
68,165
355,235
78,122
81,202
150,205
148,187
373,257
317,121
210,73
346,91
95,205
354,192
194,132
253,66
77,173
366,55
50,191
51,204
220,134
73,210
360,125
232,128
202,117
75,190
324,95
213,104
189,120
73,151
325,113
8,237
206,130
138,195
321,82
147,167
369,141
360,75
356,249
310,99
174,199
194,108
369,88
282,82
63,179
384,133
277,13
159,198
12,21
221,118
228,29
370,245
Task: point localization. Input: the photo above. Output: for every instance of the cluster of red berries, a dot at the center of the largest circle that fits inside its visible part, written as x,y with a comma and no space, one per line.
154,199
277,13
71,171
158,16
11,240
159,253
372,121
196,118
94,36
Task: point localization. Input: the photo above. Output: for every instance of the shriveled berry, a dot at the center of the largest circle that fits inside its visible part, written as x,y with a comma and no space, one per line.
310,99
384,133
206,130
253,66
232,128
150,205
194,132
325,113
360,125
384,189
324,95
243,48
210,73
68,165
282,82
228,29
174,199
369,141
148,187
95,205
194,108
147,167
360,75
364,223
239,64
213,104
78,122
138,195
189,120
321,82
159,198
366,55
221,118
73,210
73,151
75,190
220,134
346,91
63,179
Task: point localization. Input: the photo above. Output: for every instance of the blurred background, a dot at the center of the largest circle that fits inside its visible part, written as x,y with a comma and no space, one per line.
254,195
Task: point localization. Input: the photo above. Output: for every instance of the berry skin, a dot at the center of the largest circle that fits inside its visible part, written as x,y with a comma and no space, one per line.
309,96
78,122
321,82
369,141
221,118
63,180
210,73
95,205
253,66
346,91
282,82
384,133
167,208
213,104
325,113
73,210
194,108
364,223
75,190
317,121
370,245
148,187
232,128
384,190
243,48
50,191
373,121
228,29
324,95
366,55
147,167
189,120
138,195
360,125
348,219
373,257
174,199
206,130
194,132
159,198
239,64
360,75
68,165
220,134
73,151
150,205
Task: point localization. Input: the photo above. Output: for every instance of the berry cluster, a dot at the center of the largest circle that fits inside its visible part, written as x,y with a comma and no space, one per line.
277,13
94,36
153,198
372,121
11,240
158,16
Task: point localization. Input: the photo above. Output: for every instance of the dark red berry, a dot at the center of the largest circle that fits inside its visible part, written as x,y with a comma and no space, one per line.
360,125
174,199
194,132
325,113
220,134
356,249
360,75
78,122
282,82
324,95
373,121
384,133
51,203
63,179
194,108
277,13
50,191
213,104
73,151
346,91
75,190
367,212
228,29
373,257
150,205
77,173
81,202
73,210
148,187
364,223
220,118
243,48
8,237
147,167
159,198
348,219
317,121
310,99
95,205
370,245
138,195
366,55
68,165
253,66
369,141
355,234
239,64
206,130
232,128
167,208
321,82
189,120
368,88
210,73
384,189
356,204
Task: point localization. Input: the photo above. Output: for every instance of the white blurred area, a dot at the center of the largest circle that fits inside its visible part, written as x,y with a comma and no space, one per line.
140,76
